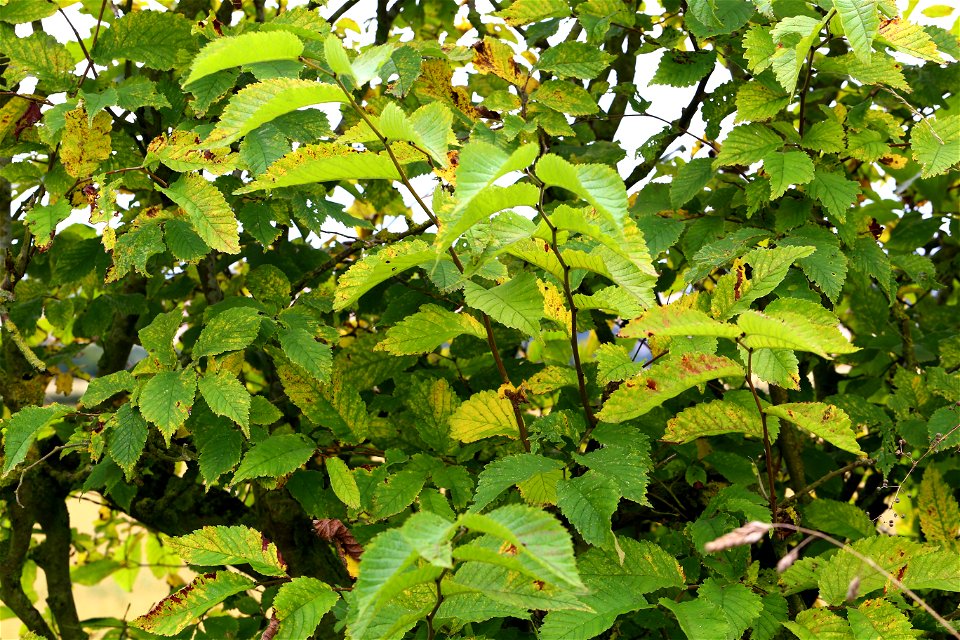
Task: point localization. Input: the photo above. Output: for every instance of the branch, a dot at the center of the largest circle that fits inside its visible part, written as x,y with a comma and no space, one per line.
568,293
641,171
767,450
515,397
813,486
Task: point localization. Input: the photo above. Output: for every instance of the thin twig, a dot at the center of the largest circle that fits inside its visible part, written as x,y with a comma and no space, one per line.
51,453
862,462
568,293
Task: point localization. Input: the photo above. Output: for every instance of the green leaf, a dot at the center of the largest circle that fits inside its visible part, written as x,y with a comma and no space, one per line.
939,511
598,184
154,38
397,492
43,220
389,565
175,612
323,162
517,303
739,604
428,128
221,453
746,144
104,387
277,456
777,366
166,399
785,169
788,330
708,18
758,101
822,420
773,615
523,12
565,97
484,415
133,249
157,337
674,320
409,66
624,458
503,473
834,191
183,241
839,518
699,619
683,68
300,605
227,397
336,56
213,546
543,545
880,619
376,267
936,144
233,329
207,211
245,49
304,351
342,482
463,217
826,136
137,92
690,181
482,163
734,414
22,429
125,441
827,266
819,624
861,24
588,502
574,60
663,381
427,329
257,220
614,363
259,103
794,36
615,586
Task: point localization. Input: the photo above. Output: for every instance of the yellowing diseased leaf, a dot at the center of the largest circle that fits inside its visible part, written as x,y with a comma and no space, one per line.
427,329
323,162
939,511
212,546
565,97
736,413
484,415
207,210
936,144
516,303
175,612
822,420
909,38
496,57
524,12
665,380
376,267
182,152
84,146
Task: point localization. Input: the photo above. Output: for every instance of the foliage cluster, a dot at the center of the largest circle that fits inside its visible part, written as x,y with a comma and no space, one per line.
528,412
